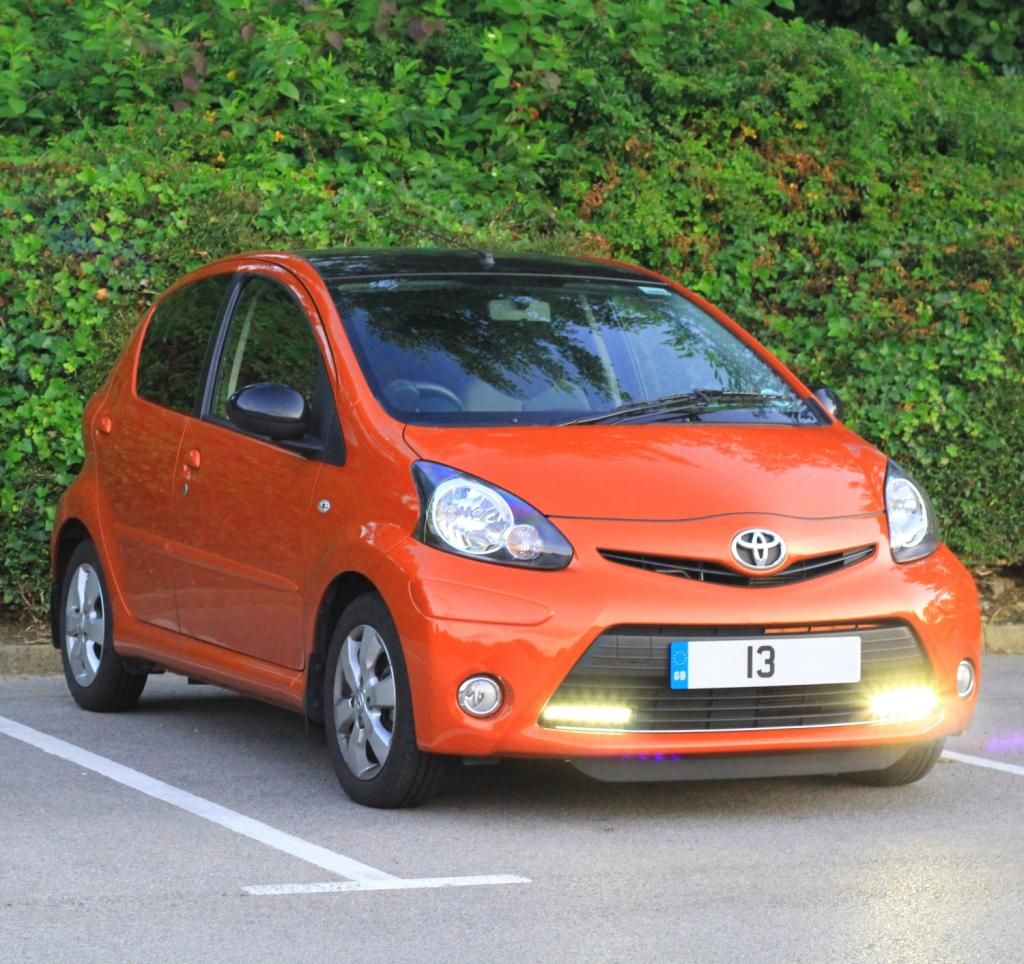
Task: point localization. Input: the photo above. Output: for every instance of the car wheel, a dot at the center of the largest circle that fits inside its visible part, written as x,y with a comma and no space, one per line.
916,763
95,674
371,735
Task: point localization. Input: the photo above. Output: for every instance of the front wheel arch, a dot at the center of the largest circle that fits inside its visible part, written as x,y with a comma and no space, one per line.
343,590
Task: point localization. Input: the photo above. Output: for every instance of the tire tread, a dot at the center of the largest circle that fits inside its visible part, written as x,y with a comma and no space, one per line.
115,689
410,776
916,763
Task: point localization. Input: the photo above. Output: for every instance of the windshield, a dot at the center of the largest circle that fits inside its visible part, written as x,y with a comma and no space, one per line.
475,350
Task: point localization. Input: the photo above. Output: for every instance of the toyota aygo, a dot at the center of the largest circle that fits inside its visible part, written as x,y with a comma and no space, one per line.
472,505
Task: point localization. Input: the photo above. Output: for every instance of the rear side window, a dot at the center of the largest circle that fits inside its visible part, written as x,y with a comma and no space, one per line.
175,347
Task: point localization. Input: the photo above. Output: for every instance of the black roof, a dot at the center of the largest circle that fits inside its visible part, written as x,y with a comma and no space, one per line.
352,263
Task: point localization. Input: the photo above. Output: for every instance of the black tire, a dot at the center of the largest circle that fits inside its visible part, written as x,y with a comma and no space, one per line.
95,674
407,776
916,763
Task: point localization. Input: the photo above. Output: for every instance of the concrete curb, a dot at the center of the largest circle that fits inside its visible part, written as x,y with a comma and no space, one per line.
41,659
1004,638
29,659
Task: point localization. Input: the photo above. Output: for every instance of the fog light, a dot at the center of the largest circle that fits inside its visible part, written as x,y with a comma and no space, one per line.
904,704
965,679
480,695
584,714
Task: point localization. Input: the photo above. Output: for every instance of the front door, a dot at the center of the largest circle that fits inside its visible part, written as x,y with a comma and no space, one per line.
246,503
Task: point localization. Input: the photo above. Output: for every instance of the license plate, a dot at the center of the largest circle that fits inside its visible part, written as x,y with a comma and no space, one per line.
700,664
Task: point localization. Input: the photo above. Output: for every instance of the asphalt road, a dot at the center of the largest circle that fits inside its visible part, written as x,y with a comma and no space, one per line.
244,849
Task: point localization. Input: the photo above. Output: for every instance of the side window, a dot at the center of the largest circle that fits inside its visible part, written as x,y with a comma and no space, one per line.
269,341
174,348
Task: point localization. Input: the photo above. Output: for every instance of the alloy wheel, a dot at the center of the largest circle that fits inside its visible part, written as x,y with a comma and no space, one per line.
364,702
84,623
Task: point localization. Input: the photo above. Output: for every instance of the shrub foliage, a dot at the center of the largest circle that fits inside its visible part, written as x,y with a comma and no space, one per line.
982,31
862,215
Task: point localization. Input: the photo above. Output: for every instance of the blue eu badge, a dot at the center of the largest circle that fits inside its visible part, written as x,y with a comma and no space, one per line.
679,665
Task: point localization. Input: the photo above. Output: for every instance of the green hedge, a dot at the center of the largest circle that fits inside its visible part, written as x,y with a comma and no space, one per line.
862,216
984,32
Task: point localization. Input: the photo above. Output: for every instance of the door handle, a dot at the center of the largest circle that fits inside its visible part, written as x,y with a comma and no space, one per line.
191,466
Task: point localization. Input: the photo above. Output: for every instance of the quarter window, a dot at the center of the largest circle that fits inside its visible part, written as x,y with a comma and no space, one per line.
175,346
269,340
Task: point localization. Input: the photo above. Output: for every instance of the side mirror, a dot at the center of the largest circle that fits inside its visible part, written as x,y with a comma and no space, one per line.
275,411
830,401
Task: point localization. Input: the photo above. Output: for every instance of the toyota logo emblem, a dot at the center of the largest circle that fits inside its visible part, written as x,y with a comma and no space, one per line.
758,549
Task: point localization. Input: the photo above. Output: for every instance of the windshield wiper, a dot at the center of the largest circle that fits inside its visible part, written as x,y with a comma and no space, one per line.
685,403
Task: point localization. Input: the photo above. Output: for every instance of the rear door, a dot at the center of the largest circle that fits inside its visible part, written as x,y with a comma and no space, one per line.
139,428
249,505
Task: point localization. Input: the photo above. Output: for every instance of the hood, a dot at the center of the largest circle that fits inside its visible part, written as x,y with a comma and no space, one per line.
668,472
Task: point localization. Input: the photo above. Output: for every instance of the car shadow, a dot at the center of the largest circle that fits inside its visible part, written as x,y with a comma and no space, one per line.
542,788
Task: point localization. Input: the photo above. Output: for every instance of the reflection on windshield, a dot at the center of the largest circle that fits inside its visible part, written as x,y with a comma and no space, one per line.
510,350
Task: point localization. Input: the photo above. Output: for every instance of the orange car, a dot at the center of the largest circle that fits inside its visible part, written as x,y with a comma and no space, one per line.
456,504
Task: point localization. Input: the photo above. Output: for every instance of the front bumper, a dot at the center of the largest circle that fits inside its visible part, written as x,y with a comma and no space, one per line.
459,617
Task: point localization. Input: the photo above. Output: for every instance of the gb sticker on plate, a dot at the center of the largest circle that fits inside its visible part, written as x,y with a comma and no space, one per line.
679,665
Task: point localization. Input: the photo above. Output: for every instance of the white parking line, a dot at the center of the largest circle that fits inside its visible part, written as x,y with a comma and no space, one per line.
980,761
416,883
360,876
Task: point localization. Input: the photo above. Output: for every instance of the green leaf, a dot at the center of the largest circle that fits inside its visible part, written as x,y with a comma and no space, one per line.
14,107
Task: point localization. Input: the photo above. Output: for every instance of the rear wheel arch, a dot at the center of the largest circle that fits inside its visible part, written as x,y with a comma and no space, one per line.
72,534
344,588
98,679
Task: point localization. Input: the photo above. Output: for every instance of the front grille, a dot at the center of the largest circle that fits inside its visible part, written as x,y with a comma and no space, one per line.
703,570
629,665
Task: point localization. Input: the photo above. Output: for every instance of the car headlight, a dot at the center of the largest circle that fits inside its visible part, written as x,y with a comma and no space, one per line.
465,515
913,529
